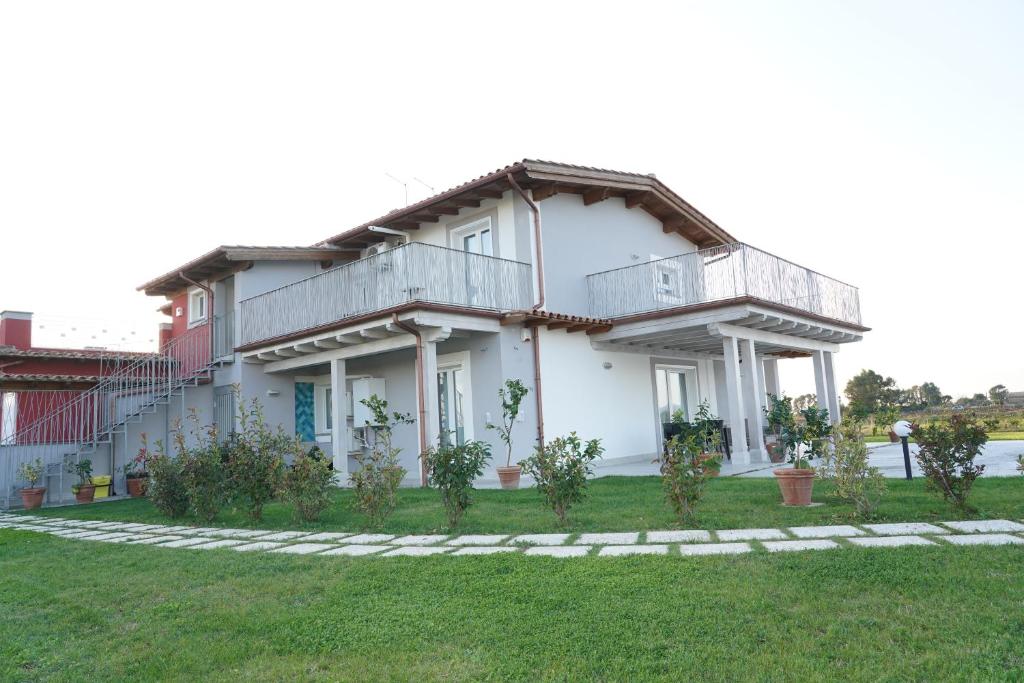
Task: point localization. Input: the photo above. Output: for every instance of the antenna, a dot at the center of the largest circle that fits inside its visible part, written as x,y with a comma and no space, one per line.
405,186
429,187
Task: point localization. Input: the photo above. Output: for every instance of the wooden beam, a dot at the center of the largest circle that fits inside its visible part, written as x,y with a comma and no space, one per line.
673,225
544,191
424,218
466,203
595,195
490,194
558,324
406,225
635,199
444,210
578,328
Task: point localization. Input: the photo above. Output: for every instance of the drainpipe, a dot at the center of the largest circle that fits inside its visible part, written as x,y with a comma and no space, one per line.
421,400
538,258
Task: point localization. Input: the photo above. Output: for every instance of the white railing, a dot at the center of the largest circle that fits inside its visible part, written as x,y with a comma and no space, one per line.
717,274
78,424
414,272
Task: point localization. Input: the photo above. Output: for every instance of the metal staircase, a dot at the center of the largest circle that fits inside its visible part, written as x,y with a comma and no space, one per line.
89,425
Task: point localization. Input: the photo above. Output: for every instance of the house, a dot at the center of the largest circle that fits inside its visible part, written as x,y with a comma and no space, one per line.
609,296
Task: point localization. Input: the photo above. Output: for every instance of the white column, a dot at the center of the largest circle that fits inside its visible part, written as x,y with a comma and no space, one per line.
753,399
734,398
433,427
830,387
339,423
820,388
771,376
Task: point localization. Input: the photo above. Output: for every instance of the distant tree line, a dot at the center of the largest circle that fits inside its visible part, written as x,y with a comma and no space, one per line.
869,392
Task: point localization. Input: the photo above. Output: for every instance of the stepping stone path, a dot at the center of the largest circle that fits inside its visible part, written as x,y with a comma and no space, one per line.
669,542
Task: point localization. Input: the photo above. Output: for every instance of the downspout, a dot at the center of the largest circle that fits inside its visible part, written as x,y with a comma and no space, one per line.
538,258
421,400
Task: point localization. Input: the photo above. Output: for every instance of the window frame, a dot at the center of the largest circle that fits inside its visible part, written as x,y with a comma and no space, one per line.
457,234
197,294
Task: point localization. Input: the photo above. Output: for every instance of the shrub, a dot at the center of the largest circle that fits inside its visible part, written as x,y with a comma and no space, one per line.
561,468
511,395
255,459
452,470
31,472
203,470
847,466
685,470
166,487
378,476
81,469
946,453
307,486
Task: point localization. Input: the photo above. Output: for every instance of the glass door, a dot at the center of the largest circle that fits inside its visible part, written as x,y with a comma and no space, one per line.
451,394
676,388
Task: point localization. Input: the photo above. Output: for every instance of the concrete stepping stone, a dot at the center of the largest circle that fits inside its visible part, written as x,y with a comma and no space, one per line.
485,549
284,535
715,549
85,534
682,536
808,544
186,542
903,529
622,550
118,535
222,543
238,533
424,539
558,550
362,539
540,539
890,541
126,538
258,545
418,550
478,539
984,539
357,550
175,529
985,525
112,526
304,548
37,527
137,526
828,531
751,535
195,531
89,523
64,532
152,540
609,538
326,536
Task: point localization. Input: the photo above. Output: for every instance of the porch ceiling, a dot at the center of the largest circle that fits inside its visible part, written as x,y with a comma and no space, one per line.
774,334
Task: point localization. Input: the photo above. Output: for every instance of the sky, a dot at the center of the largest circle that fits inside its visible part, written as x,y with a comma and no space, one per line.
879,142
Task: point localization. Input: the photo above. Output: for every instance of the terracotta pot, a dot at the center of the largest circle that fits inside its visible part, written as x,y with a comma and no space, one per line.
137,486
85,493
893,437
776,451
795,485
32,498
509,477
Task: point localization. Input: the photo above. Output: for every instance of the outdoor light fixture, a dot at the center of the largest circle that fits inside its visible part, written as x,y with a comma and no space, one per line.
273,392
606,365
902,429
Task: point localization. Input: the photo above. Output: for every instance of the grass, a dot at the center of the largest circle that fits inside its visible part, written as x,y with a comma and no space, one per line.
73,610
613,504
992,436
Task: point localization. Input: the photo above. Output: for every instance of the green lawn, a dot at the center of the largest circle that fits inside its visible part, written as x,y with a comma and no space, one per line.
74,610
614,504
992,436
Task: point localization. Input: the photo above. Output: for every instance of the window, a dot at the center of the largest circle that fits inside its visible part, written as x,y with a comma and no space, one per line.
676,387
454,399
667,280
8,417
476,237
196,306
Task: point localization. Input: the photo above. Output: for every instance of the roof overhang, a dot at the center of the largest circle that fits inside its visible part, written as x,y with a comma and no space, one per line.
546,179
225,260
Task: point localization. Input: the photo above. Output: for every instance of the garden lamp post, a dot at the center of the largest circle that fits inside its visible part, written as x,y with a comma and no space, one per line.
903,429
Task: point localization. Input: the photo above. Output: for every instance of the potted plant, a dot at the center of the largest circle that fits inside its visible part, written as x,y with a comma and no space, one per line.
135,474
779,416
84,490
803,442
511,396
706,431
31,495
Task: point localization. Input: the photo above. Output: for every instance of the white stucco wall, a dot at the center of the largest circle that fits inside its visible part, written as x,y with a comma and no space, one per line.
503,223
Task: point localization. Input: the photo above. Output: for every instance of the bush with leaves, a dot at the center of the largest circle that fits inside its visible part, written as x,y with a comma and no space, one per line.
452,469
685,470
561,468
307,485
378,476
255,459
166,488
846,465
204,469
31,472
946,453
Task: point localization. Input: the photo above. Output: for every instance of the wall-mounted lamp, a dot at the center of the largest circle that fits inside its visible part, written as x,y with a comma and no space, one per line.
273,392
607,365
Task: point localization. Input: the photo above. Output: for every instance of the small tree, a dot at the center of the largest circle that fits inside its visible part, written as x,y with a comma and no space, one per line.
255,459
561,468
31,472
847,466
685,470
946,453
511,395
378,476
307,485
81,469
998,394
452,469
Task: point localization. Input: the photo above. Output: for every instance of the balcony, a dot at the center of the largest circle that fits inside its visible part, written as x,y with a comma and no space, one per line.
720,274
411,273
